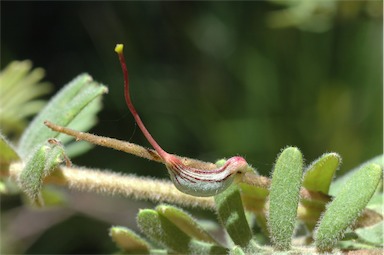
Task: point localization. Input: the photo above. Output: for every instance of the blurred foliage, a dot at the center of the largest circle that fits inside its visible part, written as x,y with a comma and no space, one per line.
20,85
214,79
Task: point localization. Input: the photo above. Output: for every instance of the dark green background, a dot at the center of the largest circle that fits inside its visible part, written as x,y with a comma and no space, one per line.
211,80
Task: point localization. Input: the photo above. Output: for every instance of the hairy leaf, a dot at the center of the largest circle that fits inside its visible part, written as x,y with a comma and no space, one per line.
129,241
41,163
348,204
319,174
237,250
255,199
164,232
372,234
7,152
185,222
62,109
338,184
231,214
284,197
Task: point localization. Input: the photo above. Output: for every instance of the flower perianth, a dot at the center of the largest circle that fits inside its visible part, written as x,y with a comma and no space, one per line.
203,183
193,181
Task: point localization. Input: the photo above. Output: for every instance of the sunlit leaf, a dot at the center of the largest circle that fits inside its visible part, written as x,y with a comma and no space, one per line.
163,231
185,222
74,100
284,197
372,234
340,181
7,152
129,241
20,85
319,174
348,204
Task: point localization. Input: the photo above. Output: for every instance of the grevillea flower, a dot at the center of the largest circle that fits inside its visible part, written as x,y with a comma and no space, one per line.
193,181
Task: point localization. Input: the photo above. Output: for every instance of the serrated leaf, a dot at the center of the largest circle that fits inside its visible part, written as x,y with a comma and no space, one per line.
347,205
163,231
41,163
129,241
284,197
62,109
231,214
319,174
185,222
7,152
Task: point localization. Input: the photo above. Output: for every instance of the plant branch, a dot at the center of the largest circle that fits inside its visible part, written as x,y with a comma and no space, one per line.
144,188
109,183
126,147
131,148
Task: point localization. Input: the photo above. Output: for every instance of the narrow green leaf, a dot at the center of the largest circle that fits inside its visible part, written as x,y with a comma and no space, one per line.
163,231
185,222
231,214
158,252
129,241
237,250
62,110
20,86
319,174
255,199
284,197
346,207
372,234
7,152
41,163
338,184
376,202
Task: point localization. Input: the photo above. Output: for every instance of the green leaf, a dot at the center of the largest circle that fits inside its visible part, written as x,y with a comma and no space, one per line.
20,86
237,250
158,252
163,231
231,214
372,234
185,222
284,197
376,202
255,199
338,184
41,163
7,152
62,110
52,196
319,174
129,241
346,207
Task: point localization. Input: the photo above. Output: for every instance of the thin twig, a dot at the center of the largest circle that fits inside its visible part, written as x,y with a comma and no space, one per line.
127,147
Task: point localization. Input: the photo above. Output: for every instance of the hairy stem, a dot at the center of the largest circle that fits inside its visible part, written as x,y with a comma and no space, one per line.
109,183
141,188
105,182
